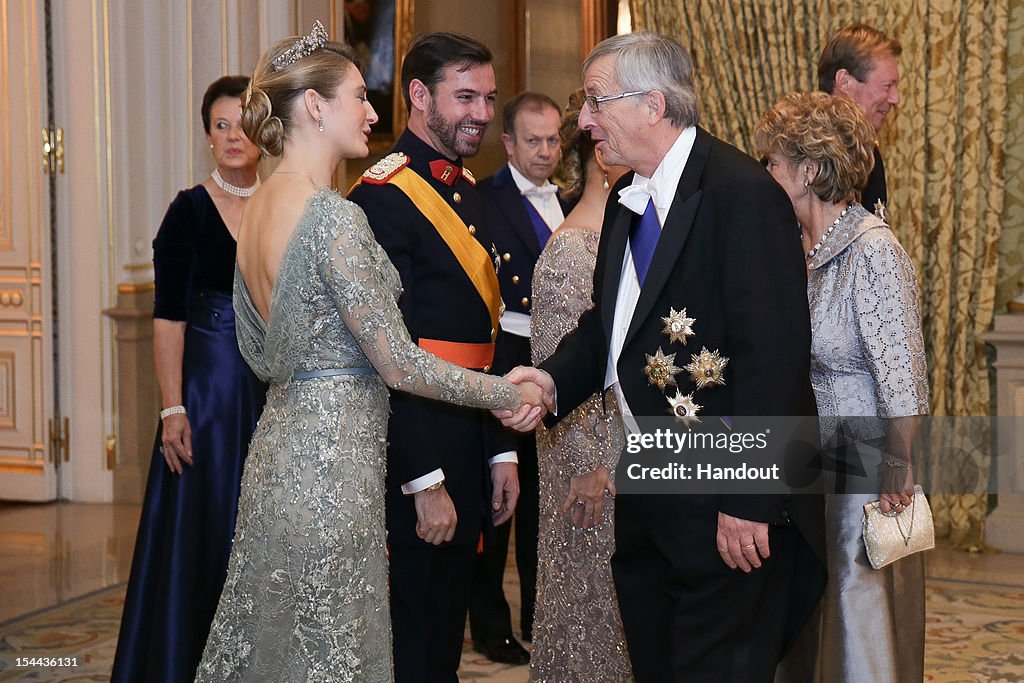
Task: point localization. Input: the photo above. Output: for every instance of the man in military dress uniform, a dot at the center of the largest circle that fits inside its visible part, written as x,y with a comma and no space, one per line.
425,210
523,209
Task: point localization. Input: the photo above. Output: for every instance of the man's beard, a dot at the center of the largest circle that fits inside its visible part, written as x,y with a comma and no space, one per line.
448,135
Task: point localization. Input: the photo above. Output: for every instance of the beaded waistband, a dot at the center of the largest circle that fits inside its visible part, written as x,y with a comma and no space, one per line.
331,372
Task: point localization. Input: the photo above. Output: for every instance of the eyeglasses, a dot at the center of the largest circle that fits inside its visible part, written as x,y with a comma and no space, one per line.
594,102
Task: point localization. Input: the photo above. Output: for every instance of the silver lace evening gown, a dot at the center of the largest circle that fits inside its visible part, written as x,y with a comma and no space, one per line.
577,631
306,597
867,359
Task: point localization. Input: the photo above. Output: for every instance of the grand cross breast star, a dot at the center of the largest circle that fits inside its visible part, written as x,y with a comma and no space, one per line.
880,210
706,368
677,326
661,370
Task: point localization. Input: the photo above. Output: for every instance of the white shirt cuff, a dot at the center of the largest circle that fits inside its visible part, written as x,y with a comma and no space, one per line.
507,456
420,483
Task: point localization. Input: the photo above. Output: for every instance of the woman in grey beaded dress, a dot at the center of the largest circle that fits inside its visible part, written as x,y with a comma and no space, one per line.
868,361
306,596
577,632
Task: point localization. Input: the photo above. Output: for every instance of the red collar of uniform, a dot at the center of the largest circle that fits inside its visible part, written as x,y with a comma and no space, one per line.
445,171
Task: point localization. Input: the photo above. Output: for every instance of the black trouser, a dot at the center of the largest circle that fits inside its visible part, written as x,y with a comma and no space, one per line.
489,615
430,589
687,616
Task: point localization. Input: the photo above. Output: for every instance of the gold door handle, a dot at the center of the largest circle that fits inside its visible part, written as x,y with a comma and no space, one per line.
53,151
47,151
59,150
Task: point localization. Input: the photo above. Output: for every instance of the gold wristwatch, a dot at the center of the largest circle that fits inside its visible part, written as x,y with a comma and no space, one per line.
435,487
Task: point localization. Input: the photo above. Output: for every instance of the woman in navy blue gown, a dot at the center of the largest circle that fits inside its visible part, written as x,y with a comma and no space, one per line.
211,401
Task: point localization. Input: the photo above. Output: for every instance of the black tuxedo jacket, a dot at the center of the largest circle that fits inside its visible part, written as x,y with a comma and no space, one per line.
514,236
874,189
730,254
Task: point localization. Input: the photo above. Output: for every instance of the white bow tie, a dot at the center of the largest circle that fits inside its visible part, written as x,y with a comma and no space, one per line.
541,191
635,197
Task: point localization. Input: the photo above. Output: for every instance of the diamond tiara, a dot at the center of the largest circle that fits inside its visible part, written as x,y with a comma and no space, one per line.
303,47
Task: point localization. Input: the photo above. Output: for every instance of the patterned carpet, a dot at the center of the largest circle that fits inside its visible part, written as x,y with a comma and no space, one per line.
975,634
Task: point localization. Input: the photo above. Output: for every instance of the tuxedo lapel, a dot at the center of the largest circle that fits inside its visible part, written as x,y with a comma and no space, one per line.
619,233
510,202
677,228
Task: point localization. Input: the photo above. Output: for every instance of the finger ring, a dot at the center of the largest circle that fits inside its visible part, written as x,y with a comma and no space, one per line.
748,546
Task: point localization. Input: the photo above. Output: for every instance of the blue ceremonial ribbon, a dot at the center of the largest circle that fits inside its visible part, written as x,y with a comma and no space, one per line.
539,226
643,238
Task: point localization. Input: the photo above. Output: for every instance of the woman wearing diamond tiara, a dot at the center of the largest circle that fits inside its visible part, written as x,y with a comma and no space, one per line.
867,362
211,401
306,596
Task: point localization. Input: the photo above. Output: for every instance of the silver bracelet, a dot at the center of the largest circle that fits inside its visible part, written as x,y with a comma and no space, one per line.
897,463
173,410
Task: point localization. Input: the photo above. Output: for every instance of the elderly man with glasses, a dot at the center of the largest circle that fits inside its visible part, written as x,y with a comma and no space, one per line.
698,234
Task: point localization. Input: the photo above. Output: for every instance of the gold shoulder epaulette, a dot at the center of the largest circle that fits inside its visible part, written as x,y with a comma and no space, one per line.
468,175
382,171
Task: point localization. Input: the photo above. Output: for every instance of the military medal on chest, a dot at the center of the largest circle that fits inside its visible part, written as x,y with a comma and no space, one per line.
880,210
706,368
677,326
661,370
683,408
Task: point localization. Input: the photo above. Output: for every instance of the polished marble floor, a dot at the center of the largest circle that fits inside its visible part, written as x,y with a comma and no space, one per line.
52,553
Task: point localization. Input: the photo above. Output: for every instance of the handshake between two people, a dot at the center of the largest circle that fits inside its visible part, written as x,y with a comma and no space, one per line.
537,392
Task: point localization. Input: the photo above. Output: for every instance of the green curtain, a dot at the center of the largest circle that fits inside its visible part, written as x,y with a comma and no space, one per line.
944,150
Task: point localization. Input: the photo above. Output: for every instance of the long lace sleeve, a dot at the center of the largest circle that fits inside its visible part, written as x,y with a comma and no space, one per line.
362,282
889,324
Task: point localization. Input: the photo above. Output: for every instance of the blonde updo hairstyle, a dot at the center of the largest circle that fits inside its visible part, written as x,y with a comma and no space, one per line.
577,147
831,131
268,104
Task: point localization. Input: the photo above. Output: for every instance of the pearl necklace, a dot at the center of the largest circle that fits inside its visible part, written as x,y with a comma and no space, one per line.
234,189
817,247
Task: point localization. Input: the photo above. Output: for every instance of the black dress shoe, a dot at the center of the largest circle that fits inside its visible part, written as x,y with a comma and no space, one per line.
502,650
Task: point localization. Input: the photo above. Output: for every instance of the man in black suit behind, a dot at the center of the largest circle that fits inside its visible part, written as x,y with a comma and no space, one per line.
699,231
523,209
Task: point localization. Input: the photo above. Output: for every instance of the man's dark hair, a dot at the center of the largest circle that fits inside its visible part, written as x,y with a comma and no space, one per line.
430,53
530,101
225,86
853,48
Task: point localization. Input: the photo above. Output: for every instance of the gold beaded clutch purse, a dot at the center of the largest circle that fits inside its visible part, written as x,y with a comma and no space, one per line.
890,538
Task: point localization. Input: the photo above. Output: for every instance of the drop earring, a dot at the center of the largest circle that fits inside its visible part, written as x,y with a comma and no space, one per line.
605,183
320,123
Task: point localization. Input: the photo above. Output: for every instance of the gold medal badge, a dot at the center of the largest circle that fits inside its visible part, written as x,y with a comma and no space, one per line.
677,326
706,368
880,210
683,408
496,258
661,369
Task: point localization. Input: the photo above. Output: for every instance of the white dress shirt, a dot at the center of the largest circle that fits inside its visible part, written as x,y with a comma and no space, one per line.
661,188
544,198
